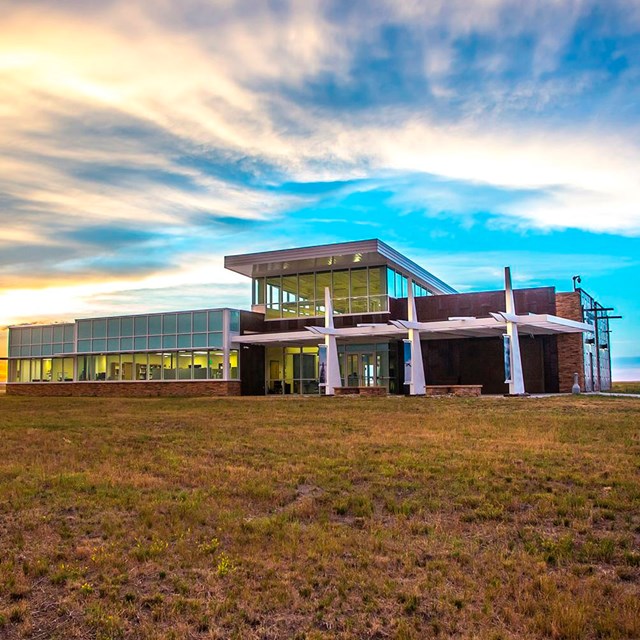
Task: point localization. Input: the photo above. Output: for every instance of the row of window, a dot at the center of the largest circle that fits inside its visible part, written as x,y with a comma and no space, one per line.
45,334
181,365
26,351
181,341
296,369
361,290
374,304
275,291
41,370
157,324
397,285
190,365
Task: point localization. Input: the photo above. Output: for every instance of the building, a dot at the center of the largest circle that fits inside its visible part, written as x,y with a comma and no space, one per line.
354,315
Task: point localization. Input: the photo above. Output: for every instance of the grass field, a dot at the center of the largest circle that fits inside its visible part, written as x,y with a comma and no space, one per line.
625,387
320,518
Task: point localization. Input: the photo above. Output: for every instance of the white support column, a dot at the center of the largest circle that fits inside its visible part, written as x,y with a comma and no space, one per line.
333,364
516,386
416,387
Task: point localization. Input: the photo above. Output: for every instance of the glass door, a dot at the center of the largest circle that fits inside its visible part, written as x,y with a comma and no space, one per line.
353,373
367,370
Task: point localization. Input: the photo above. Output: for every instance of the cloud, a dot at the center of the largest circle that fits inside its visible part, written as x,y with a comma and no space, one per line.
118,109
138,135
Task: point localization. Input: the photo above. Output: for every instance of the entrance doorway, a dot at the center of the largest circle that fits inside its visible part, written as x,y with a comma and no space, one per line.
363,369
292,370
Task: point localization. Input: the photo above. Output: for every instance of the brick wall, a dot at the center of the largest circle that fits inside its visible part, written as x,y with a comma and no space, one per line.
129,389
570,349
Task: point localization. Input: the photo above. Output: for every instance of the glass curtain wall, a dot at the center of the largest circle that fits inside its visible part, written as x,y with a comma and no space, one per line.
295,369
597,355
45,340
364,365
192,329
292,370
185,330
358,290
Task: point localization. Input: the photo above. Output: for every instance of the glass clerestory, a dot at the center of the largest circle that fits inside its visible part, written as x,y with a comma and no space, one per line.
183,330
358,290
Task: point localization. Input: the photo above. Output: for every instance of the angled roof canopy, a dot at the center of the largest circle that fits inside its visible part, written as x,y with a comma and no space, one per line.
340,255
494,326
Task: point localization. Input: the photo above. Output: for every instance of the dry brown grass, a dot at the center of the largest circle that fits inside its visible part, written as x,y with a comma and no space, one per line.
320,518
625,387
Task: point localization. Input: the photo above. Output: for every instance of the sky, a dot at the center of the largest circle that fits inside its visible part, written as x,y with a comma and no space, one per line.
140,142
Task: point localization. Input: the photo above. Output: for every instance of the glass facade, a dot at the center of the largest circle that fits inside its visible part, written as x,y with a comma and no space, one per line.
294,370
189,345
184,330
365,365
357,290
45,340
597,355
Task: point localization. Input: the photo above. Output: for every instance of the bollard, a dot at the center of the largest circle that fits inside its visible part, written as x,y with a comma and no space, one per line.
576,387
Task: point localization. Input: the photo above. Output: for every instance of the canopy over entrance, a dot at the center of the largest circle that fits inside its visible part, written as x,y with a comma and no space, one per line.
453,328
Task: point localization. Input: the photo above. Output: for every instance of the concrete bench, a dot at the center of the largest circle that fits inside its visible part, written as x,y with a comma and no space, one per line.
453,389
361,391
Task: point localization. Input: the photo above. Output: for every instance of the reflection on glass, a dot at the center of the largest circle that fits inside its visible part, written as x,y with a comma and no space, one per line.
258,291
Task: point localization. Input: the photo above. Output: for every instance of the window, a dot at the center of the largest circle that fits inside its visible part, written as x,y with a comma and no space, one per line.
113,327
99,328
184,323
200,321
258,291
184,365
140,326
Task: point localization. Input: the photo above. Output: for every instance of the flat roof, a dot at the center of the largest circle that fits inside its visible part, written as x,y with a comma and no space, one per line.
340,255
36,325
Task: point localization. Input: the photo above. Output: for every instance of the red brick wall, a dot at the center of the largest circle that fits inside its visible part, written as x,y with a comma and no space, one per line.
128,389
570,349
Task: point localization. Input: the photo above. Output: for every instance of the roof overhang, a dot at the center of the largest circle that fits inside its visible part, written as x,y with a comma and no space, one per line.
455,328
342,255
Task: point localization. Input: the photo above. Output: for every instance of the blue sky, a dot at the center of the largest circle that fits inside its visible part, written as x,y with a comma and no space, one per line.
143,141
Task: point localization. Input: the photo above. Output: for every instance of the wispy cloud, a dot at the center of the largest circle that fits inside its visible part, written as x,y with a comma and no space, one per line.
138,136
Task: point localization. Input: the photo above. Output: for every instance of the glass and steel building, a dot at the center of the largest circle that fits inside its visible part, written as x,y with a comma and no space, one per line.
179,346
275,348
